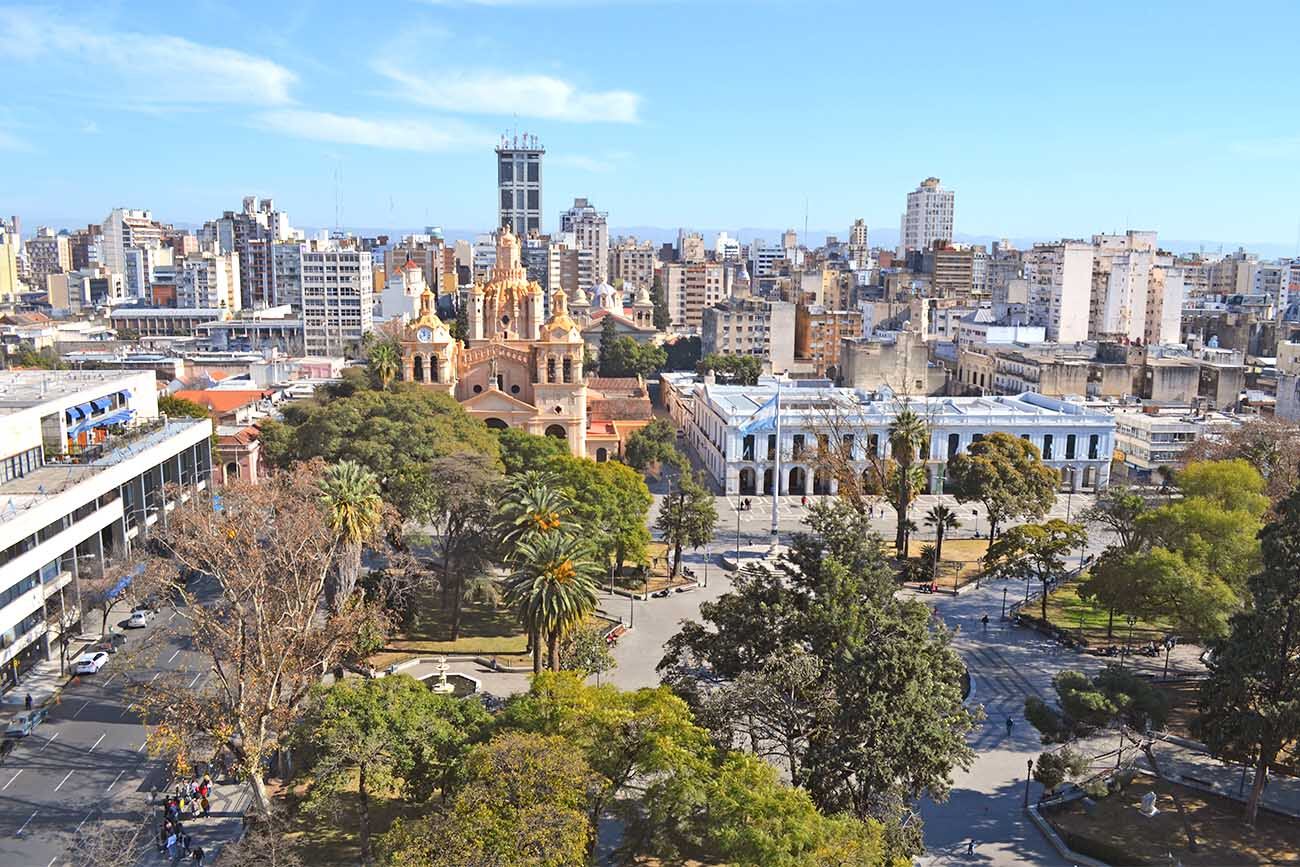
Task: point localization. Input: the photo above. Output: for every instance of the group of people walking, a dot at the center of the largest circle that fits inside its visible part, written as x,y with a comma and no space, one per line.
190,800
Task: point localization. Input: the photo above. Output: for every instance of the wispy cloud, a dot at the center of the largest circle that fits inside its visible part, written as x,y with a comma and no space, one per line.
408,135
490,92
144,69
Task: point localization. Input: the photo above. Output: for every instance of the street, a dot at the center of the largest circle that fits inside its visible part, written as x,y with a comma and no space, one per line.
87,764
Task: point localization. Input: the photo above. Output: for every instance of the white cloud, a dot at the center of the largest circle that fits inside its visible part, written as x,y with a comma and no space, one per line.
144,69
491,92
409,135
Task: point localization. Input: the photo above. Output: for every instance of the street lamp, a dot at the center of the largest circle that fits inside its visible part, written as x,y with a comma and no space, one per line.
738,534
706,565
1004,602
1029,775
1131,620
975,513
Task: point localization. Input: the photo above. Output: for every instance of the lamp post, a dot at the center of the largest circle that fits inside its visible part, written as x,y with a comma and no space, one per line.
975,513
706,565
1029,775
1123,653
1004,602
1169,645
738,534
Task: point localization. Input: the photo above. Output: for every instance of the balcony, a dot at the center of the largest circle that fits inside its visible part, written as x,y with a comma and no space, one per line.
117,437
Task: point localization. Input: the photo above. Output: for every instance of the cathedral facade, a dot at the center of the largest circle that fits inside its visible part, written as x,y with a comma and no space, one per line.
515,368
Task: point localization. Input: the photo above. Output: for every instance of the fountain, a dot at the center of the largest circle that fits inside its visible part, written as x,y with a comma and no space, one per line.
442,687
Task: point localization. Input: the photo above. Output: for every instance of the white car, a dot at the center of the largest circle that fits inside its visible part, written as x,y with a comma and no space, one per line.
89,663
139,618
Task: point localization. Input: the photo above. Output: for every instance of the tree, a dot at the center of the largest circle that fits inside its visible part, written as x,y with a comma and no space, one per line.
179,407
459,509
1007,475
396,434
732,369
612,503
522,451
586,651
1119,510
1159,583
123,578
654,443
942,519
661,316
43,359
1055,768
1270,445
522,803
533,504
354,511
1250,704
553,588
1090,703
624,356
1233,485
385,733
1035,551
266,557
682,353
385,362
687,517
909,439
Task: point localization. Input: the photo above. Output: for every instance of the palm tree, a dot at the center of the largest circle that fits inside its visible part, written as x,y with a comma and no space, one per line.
942,519
385,361
909,437
532,504
354,510
553,589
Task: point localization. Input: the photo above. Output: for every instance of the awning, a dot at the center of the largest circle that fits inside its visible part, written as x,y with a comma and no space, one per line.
122,416
86,409
72,414
102,403
124,395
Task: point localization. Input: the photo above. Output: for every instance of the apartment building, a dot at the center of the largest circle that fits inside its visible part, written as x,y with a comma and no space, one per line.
87,469
634,262
751,326
818,335
49,252
691,288
928,217
994,369
210,280
1059,288
337,297
590,231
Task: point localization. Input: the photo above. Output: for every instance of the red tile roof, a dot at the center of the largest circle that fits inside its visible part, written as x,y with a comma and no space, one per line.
221,400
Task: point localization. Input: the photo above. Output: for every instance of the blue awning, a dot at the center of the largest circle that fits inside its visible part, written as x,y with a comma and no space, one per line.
124,395
72,414
86,409
102,403
124,582
122,416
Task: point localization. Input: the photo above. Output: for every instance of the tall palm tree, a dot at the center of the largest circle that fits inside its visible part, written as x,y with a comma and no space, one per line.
553,589
385,361
942,519
532,504
354,510
909,437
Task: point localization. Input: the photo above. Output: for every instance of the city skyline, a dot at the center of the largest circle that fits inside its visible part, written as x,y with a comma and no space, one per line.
403,123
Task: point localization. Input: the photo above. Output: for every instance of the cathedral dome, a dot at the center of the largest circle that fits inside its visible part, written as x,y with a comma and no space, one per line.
606,297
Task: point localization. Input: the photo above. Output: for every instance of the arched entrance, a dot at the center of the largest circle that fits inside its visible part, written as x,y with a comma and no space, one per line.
418,368
767,480
821,482
557,431
495,424
747,481
1090,477
232,471
601,455
798,481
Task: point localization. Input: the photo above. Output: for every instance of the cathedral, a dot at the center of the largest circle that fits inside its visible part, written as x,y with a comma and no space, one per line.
517,367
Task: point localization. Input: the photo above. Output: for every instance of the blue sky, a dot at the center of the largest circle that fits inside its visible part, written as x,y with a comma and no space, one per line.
1048,121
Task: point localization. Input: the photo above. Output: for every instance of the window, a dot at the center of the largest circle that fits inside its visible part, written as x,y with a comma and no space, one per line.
1069,447
771,447
954,443
1047,447
796,449
747,448
873,444
507,171
568,370
1093,443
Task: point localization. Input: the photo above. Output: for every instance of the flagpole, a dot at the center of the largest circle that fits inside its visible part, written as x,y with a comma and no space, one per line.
776,475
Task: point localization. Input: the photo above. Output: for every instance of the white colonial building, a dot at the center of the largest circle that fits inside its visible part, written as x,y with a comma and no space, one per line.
87,468
733,429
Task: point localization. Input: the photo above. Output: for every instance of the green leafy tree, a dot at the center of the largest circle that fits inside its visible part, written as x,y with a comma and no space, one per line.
661,317
1119,510
682,353
942,519
909,440
1007,475
522,451
1250,704
1035,551
396,434
385,733
532,504
654,443
585,650
1270,445
608,334
385,362
1159,583
180,407
457,506
43,359
687,518
521,803
733,369
553,588
1056,767
1090,703
355,511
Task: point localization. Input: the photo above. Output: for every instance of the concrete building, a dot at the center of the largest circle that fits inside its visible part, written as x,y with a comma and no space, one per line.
337,297
993,369
590,229
982,327
10,244
691,288
951,269
123,229
253,233
164,321
733,430
49,252
928,217
690,247
818,336
859,249
519,184
896,360
210,280
276,328
1059,285
1164,309
634,262
751,326
87,470
1145,443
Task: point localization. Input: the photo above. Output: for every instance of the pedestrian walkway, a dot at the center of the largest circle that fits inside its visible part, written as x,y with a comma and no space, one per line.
1180,760
224,825
43,680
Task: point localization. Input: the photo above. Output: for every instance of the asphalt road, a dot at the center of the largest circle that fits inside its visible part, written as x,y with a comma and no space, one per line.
86,768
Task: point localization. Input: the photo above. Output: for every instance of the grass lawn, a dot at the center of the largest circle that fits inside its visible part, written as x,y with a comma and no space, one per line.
660,560
483,630
336,840
1116,823
961,557
1066,610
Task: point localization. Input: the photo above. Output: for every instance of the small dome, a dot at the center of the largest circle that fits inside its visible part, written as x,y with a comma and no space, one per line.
643,296
580,298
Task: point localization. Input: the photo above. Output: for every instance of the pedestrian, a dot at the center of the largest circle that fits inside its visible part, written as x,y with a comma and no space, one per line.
29,701
207,808
1010,724
970,847
985,621
197,856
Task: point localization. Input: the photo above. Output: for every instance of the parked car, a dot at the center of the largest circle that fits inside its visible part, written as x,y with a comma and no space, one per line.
110,643
89,662
139,618
21,725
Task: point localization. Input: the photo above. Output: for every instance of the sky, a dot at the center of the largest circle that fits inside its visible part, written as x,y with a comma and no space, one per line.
1048,119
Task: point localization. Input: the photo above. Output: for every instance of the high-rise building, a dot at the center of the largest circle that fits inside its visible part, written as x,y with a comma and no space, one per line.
590,229
48,253
123,229
209,280
750,326
690,246
726,248
519,184
10,243
1121,278
928,217
1165,296
252,232
690,288
633,262
859,251
1059,278
338,289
